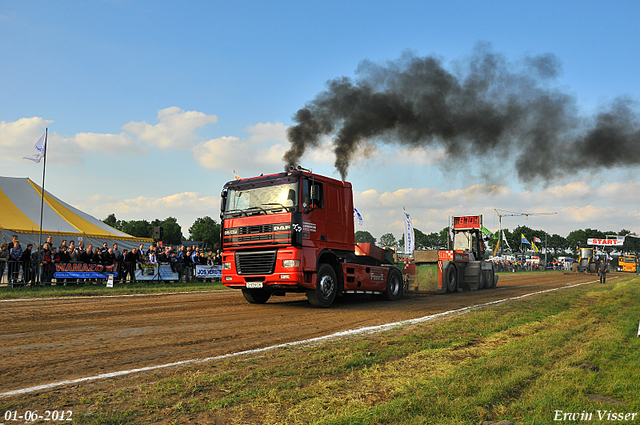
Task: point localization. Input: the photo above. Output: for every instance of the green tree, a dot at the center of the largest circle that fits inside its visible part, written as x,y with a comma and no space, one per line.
388,240
172,230
206,230
138,228
631,244
577,239
362,236
557,243
111,221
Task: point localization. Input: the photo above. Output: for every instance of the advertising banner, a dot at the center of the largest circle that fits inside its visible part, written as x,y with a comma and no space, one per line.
409,234
84,271
209,272
155,272
619,241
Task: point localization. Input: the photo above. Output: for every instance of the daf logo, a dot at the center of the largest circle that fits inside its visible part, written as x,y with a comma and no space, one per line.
281,227
228,232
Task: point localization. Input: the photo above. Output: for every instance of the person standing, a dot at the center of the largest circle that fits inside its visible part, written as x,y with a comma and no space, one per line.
37,258
15,253
4,257
130,261
25,259
180,263
604,268
188,263
119,262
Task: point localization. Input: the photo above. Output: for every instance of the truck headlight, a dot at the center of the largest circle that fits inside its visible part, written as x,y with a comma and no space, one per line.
226,266
290,263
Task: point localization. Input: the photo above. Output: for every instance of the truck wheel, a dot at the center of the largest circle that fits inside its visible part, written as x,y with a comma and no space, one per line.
481,280
326,287
256,296
488,279
394,285
451,276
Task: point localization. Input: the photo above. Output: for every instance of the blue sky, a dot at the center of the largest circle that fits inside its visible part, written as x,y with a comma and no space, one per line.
151,106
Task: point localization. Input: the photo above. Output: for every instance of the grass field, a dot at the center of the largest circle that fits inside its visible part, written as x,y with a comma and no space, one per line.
527,361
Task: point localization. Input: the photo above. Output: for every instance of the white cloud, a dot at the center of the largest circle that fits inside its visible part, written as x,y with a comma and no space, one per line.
176,128
260,152
22,134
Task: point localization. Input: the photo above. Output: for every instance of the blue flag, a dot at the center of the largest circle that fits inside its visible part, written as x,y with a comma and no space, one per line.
524,240
358,217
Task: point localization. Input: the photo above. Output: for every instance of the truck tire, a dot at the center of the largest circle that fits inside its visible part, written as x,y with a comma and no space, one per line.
489,279
451,276
395,285
256,296
482,279
326,287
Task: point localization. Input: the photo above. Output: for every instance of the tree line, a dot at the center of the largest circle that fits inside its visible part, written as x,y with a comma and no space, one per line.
204,229
556,245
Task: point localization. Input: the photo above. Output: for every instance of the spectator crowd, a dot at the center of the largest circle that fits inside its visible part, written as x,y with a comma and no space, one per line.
29,266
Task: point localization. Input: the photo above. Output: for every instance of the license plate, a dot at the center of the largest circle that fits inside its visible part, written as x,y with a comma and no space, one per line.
254,285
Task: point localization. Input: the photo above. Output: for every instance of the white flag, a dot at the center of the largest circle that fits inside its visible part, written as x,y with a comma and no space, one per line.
451,228
358,217
504,238
40,147
409,236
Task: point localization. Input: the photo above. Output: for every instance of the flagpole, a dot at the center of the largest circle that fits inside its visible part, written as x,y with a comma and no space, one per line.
545,250
44,168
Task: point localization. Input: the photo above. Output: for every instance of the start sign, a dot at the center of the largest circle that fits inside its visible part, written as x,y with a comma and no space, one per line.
606,242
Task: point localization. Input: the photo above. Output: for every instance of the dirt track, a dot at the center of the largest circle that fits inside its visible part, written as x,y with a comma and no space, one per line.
45,341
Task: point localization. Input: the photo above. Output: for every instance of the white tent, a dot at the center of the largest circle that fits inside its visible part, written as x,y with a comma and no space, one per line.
20,201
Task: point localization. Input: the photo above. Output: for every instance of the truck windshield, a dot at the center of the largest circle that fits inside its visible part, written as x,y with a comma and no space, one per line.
272,197
462,241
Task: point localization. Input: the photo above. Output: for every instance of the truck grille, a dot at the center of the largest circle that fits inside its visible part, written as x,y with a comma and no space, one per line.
266,228
261,262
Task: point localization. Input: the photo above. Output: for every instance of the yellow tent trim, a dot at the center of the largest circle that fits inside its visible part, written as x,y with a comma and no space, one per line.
12,218
72,218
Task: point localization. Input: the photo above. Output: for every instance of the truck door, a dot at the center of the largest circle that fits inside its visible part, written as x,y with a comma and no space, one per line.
314,221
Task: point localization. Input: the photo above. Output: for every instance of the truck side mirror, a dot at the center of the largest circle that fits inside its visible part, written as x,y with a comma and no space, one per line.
223,202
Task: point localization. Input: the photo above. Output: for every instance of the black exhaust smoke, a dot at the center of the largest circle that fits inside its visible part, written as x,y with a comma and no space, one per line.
488,108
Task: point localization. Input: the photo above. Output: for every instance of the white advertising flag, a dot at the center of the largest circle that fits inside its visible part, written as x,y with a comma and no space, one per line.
40,147
409,236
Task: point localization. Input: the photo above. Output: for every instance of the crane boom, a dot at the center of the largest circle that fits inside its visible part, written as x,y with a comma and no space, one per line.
506,213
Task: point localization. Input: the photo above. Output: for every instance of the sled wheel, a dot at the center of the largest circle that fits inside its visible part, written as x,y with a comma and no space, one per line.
451,276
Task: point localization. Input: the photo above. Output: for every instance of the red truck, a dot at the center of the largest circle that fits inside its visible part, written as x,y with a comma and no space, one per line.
294,232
